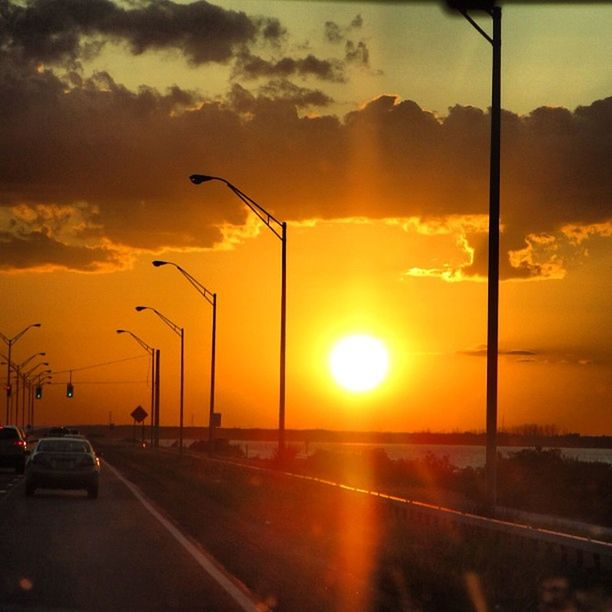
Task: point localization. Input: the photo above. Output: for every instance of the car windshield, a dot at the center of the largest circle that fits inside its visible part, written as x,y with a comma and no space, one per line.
63,446
8,433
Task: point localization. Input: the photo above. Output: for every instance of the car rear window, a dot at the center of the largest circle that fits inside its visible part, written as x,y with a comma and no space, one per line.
8,433
63,446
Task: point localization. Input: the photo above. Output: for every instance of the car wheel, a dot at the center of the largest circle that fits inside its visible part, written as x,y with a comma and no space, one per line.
92,492
29,490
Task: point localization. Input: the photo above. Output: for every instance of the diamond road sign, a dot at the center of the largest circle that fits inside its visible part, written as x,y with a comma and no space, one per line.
139,414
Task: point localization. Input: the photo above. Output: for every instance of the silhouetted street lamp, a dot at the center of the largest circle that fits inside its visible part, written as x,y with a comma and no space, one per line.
9,342
179,331
44,378
25,363
35,367
488,6
154,385
20,387
279,229
211,298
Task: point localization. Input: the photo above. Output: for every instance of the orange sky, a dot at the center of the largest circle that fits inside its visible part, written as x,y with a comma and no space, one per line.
380,168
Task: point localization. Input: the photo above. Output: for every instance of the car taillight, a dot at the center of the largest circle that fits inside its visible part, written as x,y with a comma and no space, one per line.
21,443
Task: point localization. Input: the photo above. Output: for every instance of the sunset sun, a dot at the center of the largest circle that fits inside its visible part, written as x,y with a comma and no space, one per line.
359,363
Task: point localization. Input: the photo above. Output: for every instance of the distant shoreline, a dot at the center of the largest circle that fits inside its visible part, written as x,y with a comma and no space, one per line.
572,440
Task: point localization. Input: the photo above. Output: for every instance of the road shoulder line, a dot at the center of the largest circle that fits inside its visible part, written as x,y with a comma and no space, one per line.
230,584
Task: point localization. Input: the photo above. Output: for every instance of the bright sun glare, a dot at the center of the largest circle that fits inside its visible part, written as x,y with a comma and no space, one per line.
359,362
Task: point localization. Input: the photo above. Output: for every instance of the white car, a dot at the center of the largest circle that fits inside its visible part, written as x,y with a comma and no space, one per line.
63,463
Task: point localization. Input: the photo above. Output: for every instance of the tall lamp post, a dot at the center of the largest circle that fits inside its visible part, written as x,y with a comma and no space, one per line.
43,379
279,229
180,332
35,367
154,407
20,387
9,342
211,298
495,12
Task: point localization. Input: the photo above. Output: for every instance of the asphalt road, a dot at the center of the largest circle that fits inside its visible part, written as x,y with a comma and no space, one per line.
60,550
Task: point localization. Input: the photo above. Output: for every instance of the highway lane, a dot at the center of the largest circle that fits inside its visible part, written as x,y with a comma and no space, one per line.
8,479
60,550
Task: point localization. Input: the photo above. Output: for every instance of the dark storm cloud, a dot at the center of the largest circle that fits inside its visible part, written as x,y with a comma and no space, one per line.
299,97
357,53
52,30
335,33
122,158
251,66
354,52
39,251
357,22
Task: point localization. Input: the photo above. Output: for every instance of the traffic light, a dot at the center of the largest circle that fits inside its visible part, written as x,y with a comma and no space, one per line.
38,392
9,390
69,390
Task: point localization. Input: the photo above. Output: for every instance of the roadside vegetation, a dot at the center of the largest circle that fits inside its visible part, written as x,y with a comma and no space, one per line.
532,480
301,545
535,480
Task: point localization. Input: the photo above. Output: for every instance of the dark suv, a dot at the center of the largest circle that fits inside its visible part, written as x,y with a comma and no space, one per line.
13,447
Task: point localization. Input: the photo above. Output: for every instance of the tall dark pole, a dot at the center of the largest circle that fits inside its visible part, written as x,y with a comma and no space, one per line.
8,382
493,279
283,343
211,416
9,343
151,351
488,6
23,401
279,228
211,298
179,331
31,407
182,394
157,376
16,395
153,407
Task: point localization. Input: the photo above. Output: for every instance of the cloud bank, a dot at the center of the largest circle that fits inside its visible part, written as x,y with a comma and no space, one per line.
112,163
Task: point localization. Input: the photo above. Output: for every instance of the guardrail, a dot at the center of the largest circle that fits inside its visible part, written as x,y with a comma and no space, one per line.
572,549
576,550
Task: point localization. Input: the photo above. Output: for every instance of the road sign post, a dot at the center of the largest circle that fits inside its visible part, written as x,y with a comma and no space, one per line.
139,414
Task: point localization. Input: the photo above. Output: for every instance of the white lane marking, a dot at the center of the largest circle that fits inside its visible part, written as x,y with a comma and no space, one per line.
10,486
239,594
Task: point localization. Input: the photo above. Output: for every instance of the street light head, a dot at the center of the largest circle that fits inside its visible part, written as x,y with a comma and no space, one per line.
141,308
120,331
159,262
470,5
36,324
197,179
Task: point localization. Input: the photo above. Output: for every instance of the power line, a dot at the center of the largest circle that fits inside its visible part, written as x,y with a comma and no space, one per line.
98,365
104,382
